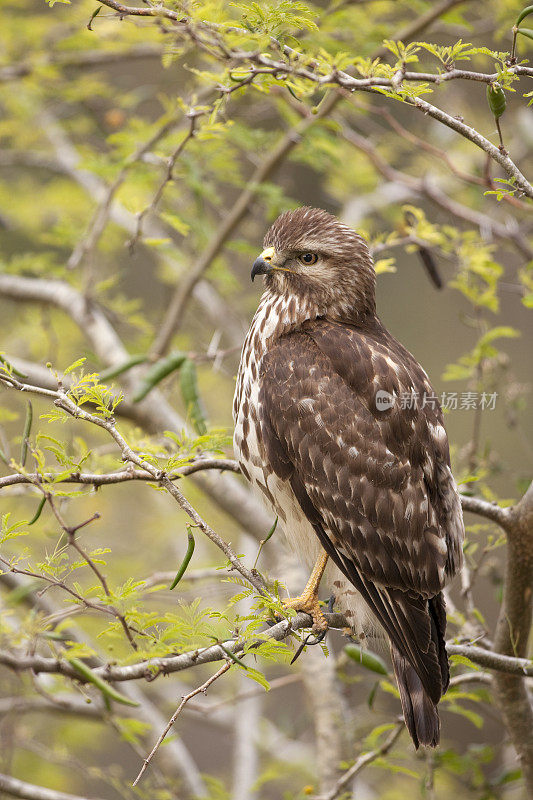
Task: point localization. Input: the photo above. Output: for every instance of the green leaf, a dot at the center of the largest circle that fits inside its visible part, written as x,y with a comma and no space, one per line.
176,222
107,690
26,433
191,397
472,716
185,563
258,677
366,658
456,659
523,14
74,366
11,531
160,370
496,100
527,32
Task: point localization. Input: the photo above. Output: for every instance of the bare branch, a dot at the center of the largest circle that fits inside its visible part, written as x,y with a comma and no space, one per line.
91,58
29,791
513,631
121,476
470,677
361,763
185,699
484,508
491,660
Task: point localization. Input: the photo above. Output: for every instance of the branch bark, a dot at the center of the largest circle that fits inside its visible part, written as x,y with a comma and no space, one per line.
121,476
361,763
91,58
153,667
513,631
29,791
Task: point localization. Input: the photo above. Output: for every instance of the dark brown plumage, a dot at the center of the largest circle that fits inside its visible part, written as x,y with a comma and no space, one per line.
369,483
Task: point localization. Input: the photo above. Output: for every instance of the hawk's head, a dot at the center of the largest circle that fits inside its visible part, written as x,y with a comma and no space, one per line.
310,255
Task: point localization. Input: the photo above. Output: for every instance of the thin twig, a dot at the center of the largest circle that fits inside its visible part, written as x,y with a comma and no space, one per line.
77,60
120,476
88,242
169,176
362,762
30,791
184,700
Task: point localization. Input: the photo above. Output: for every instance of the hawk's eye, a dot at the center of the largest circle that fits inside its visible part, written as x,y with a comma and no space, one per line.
308,258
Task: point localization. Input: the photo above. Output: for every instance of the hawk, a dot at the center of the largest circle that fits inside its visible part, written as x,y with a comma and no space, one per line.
360,479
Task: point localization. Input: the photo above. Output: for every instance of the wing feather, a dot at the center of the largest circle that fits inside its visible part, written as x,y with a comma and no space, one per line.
376,485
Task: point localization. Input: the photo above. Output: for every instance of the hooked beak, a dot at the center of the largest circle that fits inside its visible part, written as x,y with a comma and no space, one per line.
263,264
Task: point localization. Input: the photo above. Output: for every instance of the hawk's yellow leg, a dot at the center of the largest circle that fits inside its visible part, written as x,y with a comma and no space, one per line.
308,600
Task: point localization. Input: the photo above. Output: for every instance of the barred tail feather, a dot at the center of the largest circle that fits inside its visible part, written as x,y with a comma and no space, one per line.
419,710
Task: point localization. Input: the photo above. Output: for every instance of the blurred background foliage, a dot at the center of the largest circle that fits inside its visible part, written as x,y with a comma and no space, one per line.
134,160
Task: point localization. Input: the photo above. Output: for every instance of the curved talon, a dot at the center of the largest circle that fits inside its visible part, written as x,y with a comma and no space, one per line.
318,638
308,605
306,642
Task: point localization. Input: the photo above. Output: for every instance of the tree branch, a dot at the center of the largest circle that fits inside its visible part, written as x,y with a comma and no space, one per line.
425,187
121,476
165,665
29,791
486,509
179,763
91,58
491,660
513,631
361,763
